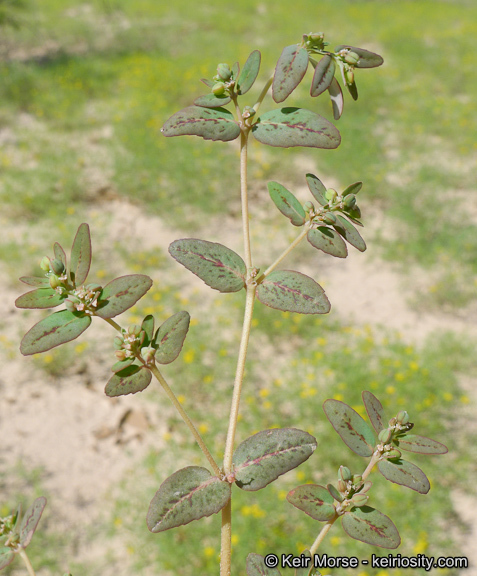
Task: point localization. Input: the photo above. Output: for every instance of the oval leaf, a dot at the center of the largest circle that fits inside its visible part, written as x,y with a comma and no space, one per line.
189,494
289,72
290,127
56,329
404,473
353,430
334,492
367,59
293,292
349,232
30,521
420,444
170,337
128,381
212,101
327,240
352,189
80,255
249,73
324,74
6,556
317,188
256,566
336,96
59,252
148,327
122,293
368,525
35,281
286,202
314,500
265,456
375,411
209,123
41,298
219,267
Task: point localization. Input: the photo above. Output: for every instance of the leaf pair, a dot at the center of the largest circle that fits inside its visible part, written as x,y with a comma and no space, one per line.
193,493
167,342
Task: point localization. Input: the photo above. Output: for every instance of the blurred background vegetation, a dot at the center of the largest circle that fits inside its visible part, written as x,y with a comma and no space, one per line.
84,90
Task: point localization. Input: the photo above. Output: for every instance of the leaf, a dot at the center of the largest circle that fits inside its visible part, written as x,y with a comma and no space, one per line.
286,202
336,96
375,411
317,189
219,267
249,73
256,566
353,430
327,240
207,82
334,493
212,101
56,329
59,253
30,521
189,494
368,525
209,123
170,337
314,500
352,89
6,556
35,281
352,189
235,70
324,74
404,473
293,292
41,298
289,72
350,233
122,293
148,327
290,127
122,364
128,381
265,456
367,59
80,255
420,444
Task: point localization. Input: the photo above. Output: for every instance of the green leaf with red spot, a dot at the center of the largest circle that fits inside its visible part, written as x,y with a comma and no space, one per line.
289,72
353,430
80,255
289,127
327,240
314,500
218,266
367,59
323,76
59,253
349,232
293,292
6,556
375,411
36,281
249,73
30,521
41,298
208,123
170,337
187,495
317,188
128,381
54,330
256,566
122,293
265,456
419,444
404,473
287,203
370,526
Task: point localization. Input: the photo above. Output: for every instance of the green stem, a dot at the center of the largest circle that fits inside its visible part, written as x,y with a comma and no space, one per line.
321,536
244,198
25,559
187,420
226,540
284,254
263,93
114,324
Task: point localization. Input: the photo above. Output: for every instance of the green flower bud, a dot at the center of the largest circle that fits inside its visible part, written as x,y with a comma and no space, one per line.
218,89
385,436
403,417
349,202
359,499
71,303
148,354
308,206
394,453
224,72
349,76
118,343
351,58
54,281
134,329
45,264
329,218
93,287
331,195
344,473
392,422
121,355
57,266
366,487
357,478
342,487
248,112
